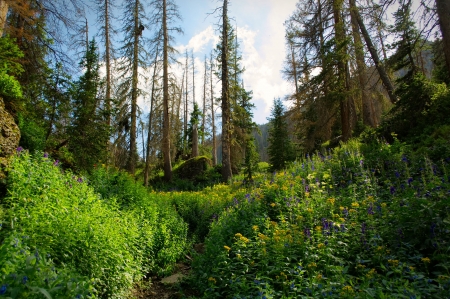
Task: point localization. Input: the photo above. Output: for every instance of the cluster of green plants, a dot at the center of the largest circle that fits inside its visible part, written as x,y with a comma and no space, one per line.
27,274
104,227
362,221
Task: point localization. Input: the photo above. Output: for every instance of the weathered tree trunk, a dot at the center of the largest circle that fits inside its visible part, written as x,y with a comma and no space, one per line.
150,116
193,78
294,70
166,124
186,107
3,13
194,140
342,74
214,147
204,102
108,64
373,53
443,11
134,83
226,156
368,110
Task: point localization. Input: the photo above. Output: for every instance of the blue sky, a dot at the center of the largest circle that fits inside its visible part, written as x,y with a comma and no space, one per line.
261,35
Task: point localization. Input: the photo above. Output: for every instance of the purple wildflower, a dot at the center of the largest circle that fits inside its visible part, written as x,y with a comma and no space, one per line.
80,180
392,189
19,149
56,163
45,155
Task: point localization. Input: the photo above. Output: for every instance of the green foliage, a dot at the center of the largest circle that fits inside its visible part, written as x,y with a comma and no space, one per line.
27,274
280,148
115,236
364,221
9,86
419,101
89,132
32,134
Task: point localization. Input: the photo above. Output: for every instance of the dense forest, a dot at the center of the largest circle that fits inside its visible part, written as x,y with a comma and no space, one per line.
344,193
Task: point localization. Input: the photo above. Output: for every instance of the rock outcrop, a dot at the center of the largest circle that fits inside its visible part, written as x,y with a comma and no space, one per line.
9,137
193,168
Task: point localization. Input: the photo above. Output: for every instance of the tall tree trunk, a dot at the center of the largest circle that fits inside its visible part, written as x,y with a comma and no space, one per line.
108,64
373,53
166,124
204,102
443,11
294,70
368,110
194,140
186,107
134,84
150,116
226,156
214,146
3,13
193,77
342,73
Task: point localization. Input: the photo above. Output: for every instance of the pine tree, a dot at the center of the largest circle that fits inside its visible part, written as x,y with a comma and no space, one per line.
88,132
280,148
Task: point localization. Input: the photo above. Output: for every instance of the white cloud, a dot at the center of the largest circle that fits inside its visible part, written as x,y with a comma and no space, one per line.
198,42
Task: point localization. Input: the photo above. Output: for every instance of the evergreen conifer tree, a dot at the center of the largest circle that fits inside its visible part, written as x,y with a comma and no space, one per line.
280,148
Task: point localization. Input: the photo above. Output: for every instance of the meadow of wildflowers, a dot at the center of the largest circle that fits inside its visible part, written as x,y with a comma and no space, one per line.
336,224
358,221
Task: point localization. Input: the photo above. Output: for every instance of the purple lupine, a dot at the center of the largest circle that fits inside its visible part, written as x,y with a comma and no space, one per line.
19,149
56,163
45,155
370,209
410,181
392,190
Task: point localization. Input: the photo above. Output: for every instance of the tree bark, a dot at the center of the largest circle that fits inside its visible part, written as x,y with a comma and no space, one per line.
226,156
214,147
3,13
186,107
134,83
204,103
373,53
108,64
150,116
166,124
443,11
342,73
368,110
194,140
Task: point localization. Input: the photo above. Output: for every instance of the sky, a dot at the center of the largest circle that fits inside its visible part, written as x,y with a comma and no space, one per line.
260,32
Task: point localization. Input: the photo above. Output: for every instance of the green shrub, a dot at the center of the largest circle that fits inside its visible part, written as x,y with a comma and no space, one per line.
26,274
64,217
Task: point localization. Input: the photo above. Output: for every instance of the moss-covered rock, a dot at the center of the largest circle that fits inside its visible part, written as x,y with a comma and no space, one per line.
193,168
9,137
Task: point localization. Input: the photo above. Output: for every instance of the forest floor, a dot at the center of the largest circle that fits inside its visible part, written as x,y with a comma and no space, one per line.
170,287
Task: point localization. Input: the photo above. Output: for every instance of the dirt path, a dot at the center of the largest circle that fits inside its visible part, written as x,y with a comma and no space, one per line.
168,287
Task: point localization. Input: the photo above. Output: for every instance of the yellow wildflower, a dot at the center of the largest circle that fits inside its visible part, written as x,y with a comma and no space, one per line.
319,276
331,200
255,227
360,266
321,245
393,262
347,289
238,256
273,204
227,248
425,260
383,204
341,208
309,210
307,194
371,273
262,236
244,239
341,219
352,211
312,265
212,279
318,228
411,268
238,235
355,204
